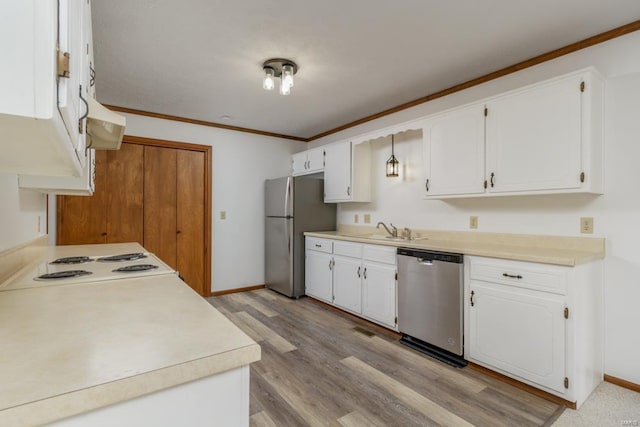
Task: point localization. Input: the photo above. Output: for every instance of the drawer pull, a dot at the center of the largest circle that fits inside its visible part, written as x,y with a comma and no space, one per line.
512,276
318,246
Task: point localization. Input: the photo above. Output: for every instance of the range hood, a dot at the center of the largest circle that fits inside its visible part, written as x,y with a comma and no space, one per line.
105,128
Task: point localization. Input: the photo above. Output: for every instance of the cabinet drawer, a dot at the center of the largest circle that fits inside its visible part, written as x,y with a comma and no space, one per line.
320,245
348,249
541,277
377,253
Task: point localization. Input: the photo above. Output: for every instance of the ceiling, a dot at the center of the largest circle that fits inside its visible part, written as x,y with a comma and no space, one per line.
202,59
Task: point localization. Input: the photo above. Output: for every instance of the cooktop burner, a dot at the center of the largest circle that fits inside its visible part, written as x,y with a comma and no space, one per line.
122,257
72,260
68,274
135,268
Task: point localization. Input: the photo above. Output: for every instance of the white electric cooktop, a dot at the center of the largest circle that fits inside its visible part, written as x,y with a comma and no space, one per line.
61,265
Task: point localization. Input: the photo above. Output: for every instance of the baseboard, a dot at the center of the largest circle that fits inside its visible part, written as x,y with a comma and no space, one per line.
522,386
622,383
236,290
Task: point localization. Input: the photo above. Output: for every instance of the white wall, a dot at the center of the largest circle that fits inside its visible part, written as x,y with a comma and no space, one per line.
615,213
22,213
241,163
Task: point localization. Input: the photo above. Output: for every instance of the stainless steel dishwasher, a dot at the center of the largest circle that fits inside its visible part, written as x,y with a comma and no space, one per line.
430,292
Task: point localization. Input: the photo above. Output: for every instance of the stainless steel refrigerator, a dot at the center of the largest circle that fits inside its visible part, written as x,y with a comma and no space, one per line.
293,205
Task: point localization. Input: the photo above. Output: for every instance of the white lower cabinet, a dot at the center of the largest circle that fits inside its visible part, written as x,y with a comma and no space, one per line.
379,293
355,277
318,269
347,283
540,324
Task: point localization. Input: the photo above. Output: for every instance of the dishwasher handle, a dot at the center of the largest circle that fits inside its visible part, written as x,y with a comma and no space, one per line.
424,261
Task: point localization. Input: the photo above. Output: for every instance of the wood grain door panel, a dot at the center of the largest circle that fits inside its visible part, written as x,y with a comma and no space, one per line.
160,203
80,219
191,217
125,171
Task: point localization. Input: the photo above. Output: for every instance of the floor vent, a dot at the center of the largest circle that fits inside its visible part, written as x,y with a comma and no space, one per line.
363,331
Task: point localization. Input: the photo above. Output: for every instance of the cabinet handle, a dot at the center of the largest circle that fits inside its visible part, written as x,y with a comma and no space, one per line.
330,264
426,185
512,276
348,190
492,179
358,271
103,233
365,273
86,113
318,246
472,301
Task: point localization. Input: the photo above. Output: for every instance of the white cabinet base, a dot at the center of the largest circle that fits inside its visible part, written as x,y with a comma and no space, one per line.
221,400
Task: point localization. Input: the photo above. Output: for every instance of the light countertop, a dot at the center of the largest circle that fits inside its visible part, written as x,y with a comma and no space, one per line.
567,251
69,349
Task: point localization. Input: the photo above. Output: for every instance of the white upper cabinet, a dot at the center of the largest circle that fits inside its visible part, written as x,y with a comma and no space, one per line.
542,139
534,138
454,152
307,162
347,172
41,111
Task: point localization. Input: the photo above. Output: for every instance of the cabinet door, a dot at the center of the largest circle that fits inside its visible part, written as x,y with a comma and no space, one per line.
379,293
160,203
315,160
518,331
347,288
454,152
71,39
318,275
190,217
299,163
534,138
337,172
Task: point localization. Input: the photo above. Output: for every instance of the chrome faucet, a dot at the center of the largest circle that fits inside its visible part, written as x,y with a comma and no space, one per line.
393,233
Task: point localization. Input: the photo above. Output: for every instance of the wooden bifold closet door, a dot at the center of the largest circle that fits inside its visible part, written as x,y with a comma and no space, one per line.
156,193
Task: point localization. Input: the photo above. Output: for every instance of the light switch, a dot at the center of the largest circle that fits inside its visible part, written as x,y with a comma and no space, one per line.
223,214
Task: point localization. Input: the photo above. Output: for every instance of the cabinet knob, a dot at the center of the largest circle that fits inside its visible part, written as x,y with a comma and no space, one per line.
178,232
104,233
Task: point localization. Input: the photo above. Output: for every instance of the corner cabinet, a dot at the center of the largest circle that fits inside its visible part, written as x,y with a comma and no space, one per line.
355,277
347,172
44,82
542,139
540,324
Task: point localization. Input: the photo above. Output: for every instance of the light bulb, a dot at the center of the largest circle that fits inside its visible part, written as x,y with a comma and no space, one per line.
287,74
269,79
285,89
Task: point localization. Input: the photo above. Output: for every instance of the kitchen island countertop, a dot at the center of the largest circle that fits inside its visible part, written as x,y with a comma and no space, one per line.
70,349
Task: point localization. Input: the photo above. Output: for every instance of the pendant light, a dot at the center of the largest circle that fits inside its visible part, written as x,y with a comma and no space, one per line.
392,164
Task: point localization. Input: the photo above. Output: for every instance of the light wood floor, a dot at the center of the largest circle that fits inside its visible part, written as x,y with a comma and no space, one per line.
323,368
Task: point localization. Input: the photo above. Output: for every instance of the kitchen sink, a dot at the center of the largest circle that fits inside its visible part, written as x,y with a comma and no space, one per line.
396,239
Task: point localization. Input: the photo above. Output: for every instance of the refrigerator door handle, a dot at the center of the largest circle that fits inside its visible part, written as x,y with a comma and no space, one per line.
287,194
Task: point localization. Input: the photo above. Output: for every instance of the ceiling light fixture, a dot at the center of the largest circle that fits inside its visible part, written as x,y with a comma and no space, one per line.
278,67
392,164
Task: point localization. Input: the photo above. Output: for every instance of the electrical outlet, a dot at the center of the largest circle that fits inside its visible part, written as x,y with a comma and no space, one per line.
367,218
586,225
473,222
223,214
355,218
